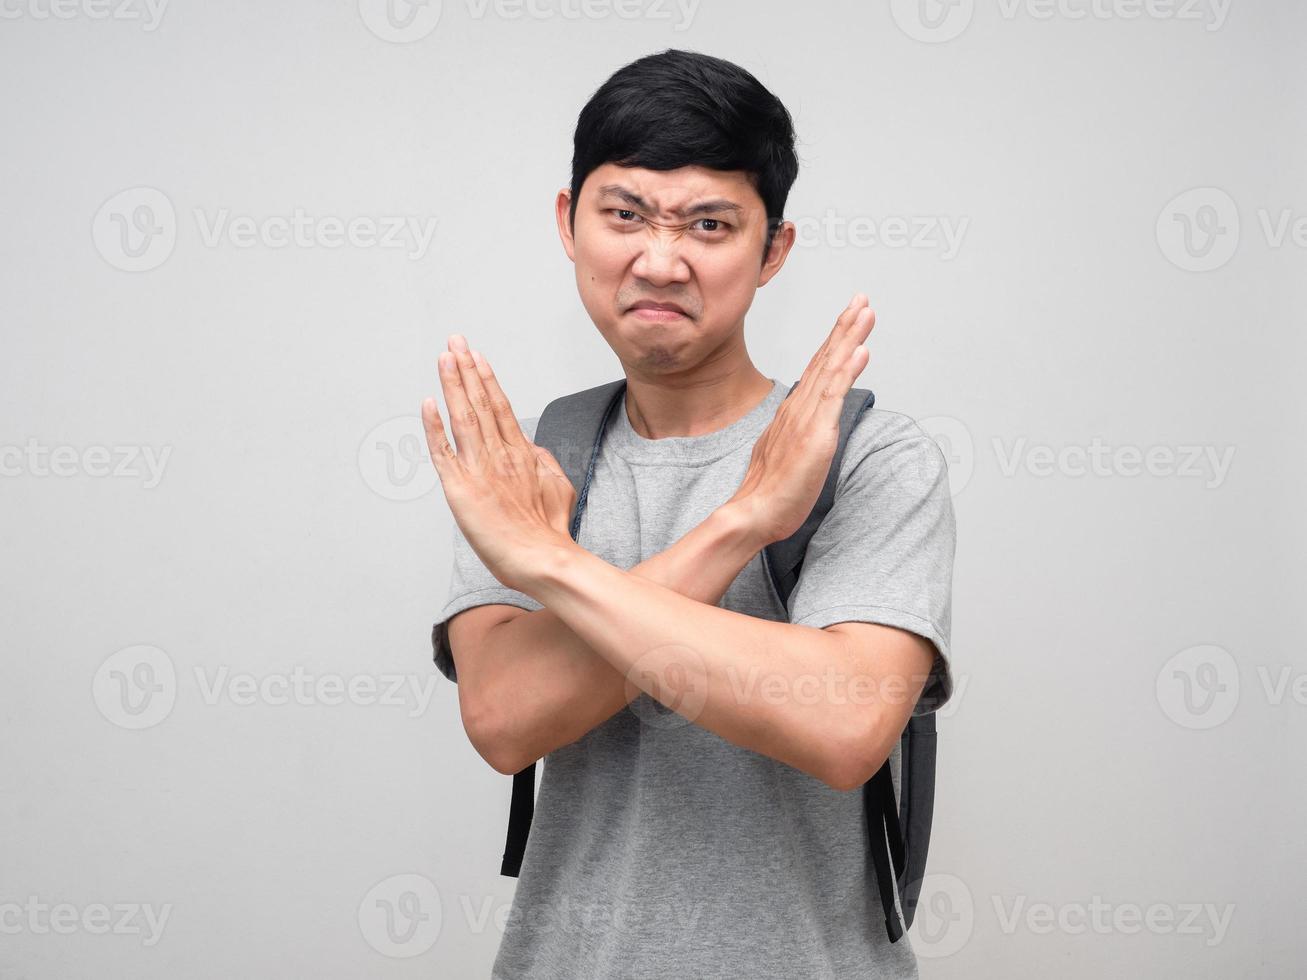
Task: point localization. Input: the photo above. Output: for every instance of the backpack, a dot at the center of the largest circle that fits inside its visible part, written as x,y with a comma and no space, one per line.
571,427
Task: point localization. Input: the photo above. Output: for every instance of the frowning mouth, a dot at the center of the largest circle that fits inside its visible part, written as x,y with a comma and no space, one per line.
649,310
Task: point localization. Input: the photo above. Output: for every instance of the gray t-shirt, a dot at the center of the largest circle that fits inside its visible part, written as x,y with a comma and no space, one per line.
658,849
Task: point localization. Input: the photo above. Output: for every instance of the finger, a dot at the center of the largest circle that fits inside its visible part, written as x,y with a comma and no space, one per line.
509,430
858,331
442,453
462,416
476,393
547,458
831,381
860,355
843,323
840,369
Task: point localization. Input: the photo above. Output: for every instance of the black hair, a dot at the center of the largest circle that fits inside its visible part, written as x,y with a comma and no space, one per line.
681,108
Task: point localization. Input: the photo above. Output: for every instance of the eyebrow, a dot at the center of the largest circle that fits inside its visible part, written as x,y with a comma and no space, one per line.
703,207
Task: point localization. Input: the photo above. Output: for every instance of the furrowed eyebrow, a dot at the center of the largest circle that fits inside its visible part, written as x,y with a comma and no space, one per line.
715,206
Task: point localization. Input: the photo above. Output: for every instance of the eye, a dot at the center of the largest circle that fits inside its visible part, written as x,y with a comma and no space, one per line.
713,224
622,215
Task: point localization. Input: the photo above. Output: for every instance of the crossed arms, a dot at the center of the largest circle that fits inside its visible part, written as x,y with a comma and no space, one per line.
531,682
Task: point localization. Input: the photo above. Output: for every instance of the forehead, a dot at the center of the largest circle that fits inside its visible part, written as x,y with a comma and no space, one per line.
672,190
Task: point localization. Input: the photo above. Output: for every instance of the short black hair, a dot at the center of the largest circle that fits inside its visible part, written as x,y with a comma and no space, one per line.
680,108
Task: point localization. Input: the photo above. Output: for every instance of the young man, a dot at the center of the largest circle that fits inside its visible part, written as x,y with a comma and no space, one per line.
700,812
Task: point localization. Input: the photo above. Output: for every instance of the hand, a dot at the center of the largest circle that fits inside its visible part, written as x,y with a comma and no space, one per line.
793,455
510,497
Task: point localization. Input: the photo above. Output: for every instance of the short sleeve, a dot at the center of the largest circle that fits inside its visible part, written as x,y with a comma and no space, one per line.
472,584
884,552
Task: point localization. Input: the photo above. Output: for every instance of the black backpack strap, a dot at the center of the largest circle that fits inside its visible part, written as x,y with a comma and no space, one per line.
916,806
784,558
885,842
571,427
784,561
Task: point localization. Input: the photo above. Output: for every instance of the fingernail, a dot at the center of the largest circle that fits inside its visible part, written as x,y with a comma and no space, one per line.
458,341
476,356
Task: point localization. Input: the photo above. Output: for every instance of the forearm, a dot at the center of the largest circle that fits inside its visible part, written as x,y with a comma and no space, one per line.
797,694
545,687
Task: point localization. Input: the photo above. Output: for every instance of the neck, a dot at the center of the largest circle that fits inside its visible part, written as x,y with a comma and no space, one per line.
662,407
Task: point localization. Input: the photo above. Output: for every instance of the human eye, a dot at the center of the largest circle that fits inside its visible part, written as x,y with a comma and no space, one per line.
714,226
624,216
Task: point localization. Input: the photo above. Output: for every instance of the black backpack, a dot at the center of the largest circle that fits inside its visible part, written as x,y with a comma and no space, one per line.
571,428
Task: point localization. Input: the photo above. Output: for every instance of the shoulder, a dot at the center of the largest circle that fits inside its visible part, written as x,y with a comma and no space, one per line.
886,444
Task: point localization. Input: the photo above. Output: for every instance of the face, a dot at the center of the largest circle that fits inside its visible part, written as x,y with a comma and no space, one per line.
691,238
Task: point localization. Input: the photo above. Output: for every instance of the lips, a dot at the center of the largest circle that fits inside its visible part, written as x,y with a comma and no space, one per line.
645,304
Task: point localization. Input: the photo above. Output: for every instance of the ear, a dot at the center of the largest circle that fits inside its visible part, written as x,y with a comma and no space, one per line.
562,206
781,244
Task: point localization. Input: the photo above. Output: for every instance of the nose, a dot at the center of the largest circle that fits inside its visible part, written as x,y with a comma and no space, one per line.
662,256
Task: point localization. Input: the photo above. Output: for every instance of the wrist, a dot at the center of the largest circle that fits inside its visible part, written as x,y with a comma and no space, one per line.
548,564
734,523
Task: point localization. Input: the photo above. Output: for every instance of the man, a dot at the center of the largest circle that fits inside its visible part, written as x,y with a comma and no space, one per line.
699,812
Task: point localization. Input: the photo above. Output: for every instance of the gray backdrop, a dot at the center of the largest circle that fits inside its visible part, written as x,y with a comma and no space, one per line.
235,237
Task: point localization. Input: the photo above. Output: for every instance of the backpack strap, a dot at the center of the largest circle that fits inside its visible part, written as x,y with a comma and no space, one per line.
784,561
571,427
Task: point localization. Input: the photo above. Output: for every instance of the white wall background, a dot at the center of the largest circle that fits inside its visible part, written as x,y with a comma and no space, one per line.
1120,786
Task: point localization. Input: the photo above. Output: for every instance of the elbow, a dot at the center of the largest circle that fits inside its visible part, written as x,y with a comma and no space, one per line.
493,742
504,756
843,778
502,761
856,760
